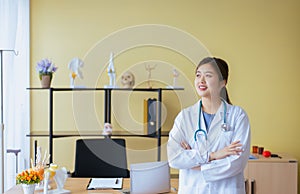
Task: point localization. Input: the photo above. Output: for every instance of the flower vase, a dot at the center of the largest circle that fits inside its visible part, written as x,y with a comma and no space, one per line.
46,81
28,189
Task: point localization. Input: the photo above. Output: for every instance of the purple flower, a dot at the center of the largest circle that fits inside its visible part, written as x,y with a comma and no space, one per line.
45,66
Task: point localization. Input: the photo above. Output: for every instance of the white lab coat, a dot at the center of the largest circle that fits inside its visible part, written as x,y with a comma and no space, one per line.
223,176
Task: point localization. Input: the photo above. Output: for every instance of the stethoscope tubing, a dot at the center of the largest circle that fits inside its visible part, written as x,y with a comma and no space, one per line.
224,126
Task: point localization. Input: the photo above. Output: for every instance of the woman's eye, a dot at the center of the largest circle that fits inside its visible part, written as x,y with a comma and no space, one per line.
208,75
198,75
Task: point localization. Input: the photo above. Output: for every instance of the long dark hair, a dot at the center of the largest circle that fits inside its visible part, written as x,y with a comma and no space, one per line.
222,68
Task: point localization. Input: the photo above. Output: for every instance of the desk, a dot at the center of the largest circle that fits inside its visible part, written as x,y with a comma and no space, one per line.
272,175
78,185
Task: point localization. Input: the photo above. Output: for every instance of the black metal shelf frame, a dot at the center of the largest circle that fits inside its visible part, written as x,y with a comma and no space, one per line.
107,114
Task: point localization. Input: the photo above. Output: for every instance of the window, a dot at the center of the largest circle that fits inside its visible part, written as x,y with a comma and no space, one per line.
14,35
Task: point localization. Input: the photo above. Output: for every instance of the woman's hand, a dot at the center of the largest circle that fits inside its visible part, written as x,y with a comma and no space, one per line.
233,149
186,146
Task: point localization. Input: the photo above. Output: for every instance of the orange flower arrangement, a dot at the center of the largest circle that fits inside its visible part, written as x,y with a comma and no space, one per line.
29,176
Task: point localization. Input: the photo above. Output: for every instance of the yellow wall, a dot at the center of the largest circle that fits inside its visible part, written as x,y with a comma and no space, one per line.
259,39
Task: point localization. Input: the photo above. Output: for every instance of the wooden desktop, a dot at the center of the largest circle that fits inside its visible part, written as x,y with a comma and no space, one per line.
78,185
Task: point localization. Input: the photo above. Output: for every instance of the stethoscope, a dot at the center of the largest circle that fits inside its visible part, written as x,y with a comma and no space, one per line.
224,127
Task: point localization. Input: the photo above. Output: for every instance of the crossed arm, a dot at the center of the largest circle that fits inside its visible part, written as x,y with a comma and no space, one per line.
233,149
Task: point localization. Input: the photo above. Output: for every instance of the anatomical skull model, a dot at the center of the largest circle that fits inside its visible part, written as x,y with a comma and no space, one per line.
127,80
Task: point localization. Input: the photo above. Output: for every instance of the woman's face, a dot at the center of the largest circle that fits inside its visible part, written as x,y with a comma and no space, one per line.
207,82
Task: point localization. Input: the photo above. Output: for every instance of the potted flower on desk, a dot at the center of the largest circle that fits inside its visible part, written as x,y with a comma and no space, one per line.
45,68
29,178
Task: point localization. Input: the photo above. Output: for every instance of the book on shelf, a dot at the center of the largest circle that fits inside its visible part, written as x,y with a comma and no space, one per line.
150,116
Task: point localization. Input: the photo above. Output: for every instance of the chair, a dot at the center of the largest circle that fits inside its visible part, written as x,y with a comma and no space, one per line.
104,158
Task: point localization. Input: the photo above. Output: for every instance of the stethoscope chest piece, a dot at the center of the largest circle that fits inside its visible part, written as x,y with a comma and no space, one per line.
225,127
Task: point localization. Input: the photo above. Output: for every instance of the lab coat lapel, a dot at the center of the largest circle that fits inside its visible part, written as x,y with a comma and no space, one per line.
218,118
193,119
215,127
196,118
201,142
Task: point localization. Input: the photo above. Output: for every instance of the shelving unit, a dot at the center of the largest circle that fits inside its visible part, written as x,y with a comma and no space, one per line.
107,116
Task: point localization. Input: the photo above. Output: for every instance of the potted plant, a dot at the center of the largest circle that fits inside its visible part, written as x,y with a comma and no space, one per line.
29,178
45,68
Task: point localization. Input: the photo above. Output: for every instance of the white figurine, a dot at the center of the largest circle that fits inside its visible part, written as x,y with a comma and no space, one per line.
128,80
60,176
175,76
149,69
75,65
111,71
107,131
49,174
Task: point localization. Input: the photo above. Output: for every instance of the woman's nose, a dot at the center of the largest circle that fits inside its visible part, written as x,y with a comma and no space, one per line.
202,79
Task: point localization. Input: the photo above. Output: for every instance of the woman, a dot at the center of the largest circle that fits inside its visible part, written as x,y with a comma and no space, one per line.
210,140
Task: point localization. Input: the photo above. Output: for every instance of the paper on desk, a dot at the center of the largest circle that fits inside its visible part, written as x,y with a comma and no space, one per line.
105,183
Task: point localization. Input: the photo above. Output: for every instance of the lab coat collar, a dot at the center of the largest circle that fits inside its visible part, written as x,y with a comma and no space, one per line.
215,127
218,119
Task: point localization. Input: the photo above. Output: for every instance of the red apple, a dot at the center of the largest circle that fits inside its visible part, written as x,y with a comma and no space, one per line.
266,154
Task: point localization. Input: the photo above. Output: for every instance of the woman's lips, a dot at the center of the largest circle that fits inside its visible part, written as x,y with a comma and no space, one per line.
202,88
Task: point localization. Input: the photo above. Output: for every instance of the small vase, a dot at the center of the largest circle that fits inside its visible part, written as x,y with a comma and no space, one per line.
46,81
28,189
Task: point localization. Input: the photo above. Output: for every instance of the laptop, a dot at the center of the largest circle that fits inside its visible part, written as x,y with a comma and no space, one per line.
150,177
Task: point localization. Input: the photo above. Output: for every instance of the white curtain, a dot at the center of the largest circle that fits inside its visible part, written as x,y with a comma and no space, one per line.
14,35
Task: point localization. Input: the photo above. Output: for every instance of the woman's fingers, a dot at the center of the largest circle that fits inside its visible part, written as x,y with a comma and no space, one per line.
197,168
236,143
235,151
185,146
235,148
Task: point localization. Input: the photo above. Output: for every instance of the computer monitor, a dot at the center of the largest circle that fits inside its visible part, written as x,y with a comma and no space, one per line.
150,177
